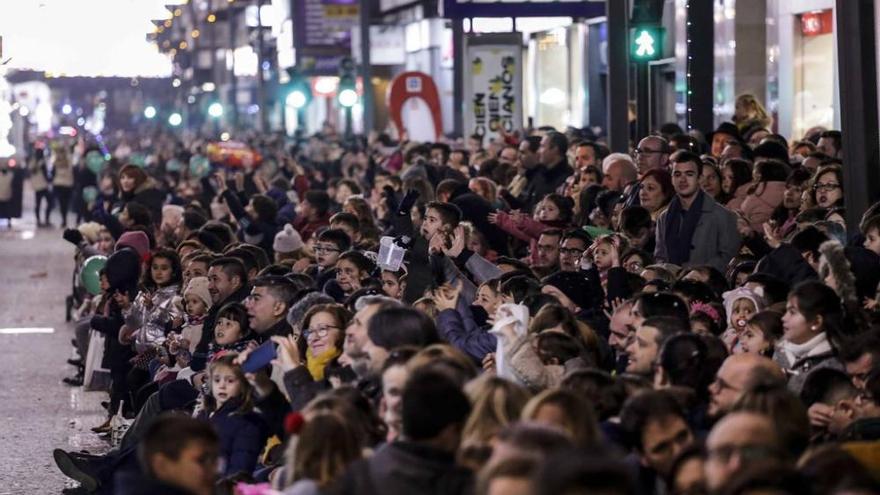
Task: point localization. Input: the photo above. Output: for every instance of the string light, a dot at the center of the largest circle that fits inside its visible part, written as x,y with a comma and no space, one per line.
177,12
212,18
688,78
183,45
168,23
195,33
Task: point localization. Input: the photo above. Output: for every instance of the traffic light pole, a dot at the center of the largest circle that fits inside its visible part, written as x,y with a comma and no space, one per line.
643,100
348,126
301,121
617,91
701,64
366,68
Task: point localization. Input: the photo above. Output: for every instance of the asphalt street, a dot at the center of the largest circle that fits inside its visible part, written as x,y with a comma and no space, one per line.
38,411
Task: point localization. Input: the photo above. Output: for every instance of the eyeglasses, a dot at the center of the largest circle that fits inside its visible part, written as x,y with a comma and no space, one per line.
826,187
326,249
319,332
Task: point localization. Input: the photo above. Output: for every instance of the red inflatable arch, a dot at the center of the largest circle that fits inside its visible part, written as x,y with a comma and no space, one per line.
414,85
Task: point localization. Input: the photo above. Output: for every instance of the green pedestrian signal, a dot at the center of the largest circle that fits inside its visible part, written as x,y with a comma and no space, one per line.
646,43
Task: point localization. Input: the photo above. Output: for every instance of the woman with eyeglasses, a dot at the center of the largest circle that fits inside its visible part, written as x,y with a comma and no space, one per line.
827,190
323,333
317,348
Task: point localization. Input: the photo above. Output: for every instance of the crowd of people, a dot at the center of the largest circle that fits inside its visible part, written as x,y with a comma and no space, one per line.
694,317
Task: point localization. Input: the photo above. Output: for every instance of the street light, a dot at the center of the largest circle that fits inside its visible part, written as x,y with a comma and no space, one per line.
297,99
348,97
299,95
150,112
215,110
175,119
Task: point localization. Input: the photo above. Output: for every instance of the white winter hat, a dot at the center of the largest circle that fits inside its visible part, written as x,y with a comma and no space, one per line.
198,286
287,240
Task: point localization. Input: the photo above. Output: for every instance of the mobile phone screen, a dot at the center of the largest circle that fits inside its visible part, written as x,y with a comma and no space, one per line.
260,358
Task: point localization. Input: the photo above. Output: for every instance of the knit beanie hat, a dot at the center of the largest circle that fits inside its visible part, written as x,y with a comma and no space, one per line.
287,240
577,286
123,269
732,296
136,240
198,286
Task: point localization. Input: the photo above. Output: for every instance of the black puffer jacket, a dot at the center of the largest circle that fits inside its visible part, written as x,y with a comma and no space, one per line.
787,264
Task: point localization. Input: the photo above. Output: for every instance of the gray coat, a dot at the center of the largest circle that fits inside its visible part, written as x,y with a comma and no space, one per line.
798,371
715,241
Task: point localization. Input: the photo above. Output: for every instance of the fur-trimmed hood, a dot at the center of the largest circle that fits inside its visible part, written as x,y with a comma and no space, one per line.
833,262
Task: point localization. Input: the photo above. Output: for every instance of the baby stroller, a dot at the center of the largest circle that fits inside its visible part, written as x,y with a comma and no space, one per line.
78,293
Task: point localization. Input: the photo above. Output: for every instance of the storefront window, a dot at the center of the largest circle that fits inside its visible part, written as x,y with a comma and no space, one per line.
814,72
551,89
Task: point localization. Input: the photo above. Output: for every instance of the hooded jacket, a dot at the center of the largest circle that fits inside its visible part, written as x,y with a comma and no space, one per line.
759,205
786,263
739,196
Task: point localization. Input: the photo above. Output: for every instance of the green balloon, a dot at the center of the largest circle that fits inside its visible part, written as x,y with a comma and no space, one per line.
89,274
89,194
95,161
199,166
137,159
173,165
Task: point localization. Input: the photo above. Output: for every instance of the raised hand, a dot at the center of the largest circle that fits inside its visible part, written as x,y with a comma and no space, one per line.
615,251
458,243
288,353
